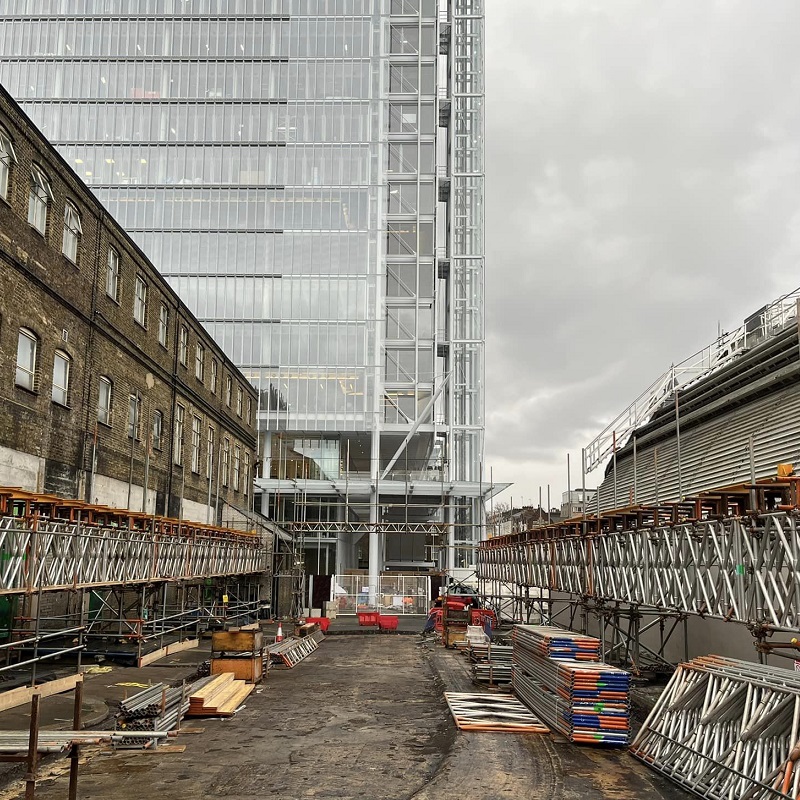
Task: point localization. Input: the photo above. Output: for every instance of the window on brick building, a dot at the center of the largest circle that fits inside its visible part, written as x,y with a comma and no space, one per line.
228,390
209,452
27,351
249,409
134,416
226,460
214,375
39,199
183,348
158,429
104,400
246,474
112,274
7,159
239,400
237,466
60,391
177,435
199,362
197,428
73,231
140,301
163,325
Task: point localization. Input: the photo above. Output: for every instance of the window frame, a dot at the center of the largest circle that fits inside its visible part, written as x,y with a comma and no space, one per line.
210,442
112,274
157,430
177,435
73,231
8,158
197,433
63,399
163,325
104,380
237,466
214,375
133,426
29,370
200,361
183,346
226,459
140,301
228,390
239,400
245,489
40,195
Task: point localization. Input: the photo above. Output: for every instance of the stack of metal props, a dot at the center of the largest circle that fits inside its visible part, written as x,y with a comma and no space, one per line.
559,676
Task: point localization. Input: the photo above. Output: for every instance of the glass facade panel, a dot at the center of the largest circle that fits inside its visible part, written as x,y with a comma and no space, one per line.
303,172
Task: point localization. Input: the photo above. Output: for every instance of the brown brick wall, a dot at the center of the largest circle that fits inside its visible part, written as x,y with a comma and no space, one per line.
66,306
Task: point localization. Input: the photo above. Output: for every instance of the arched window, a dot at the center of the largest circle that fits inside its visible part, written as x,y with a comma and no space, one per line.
39,199
7,158
27,352
61,364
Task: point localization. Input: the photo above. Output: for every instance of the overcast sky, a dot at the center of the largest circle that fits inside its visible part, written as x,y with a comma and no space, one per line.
643,186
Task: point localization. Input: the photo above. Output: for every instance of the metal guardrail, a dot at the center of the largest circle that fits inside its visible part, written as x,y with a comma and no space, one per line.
766,323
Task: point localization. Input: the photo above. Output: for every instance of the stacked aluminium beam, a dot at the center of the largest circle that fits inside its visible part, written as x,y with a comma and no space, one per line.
725,728
559,676
157,708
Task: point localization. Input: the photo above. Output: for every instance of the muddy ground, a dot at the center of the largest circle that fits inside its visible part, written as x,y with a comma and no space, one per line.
362,717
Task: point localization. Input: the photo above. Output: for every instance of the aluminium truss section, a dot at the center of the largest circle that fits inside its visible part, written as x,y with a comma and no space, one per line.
736,569
43,554
725,729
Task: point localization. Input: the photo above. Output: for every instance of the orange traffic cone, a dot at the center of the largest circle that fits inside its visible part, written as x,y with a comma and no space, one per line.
279,634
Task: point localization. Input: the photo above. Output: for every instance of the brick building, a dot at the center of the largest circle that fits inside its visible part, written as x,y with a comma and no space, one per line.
108,384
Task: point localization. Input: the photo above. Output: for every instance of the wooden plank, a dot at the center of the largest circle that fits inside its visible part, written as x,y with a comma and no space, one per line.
235,700
170,649
23,694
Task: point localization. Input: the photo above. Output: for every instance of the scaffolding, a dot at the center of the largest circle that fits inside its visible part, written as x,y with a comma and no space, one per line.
730,555
82,581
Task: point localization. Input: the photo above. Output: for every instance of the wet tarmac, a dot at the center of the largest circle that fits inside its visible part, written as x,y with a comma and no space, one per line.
362,717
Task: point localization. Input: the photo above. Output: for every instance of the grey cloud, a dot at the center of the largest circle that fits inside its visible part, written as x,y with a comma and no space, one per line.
643,185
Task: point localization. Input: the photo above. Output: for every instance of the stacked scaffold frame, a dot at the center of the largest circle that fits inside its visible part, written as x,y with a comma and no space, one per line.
725,728
559,676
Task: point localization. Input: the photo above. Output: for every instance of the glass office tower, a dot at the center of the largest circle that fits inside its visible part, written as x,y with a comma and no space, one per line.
308,174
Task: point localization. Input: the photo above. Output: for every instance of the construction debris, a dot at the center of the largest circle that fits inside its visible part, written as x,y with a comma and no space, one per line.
586,700
725,728
492,712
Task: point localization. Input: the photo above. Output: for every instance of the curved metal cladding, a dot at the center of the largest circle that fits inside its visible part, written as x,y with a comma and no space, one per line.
751,406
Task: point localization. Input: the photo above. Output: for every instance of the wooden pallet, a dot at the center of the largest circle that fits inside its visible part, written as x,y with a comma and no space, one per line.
492,712
220,697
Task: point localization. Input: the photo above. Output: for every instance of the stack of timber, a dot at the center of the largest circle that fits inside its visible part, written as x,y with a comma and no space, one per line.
157,708
586,700
491,663
725,728
240,652
292,651
218,696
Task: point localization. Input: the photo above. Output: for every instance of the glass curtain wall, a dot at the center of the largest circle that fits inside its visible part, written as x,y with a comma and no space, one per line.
287,164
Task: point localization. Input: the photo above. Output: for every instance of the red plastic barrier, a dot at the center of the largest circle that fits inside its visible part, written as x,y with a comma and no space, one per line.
387,622
323,622
368,618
